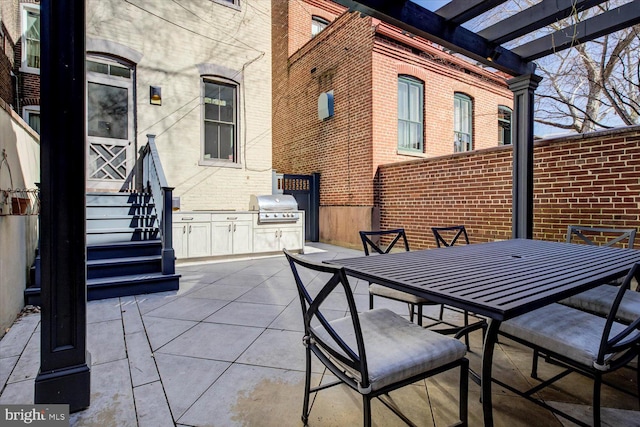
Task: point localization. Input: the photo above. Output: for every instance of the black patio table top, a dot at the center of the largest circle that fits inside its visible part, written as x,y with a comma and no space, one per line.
499,280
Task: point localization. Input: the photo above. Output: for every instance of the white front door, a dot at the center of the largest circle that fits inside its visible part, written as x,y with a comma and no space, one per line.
110,119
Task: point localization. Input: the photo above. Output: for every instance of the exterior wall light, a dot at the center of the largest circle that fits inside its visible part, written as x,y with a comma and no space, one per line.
155,95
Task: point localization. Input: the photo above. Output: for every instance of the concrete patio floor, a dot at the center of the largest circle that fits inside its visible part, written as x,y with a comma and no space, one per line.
225,350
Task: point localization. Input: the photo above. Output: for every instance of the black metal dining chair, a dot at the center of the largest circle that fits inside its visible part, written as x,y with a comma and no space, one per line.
579,341
599,300
382,242
450,236
373,352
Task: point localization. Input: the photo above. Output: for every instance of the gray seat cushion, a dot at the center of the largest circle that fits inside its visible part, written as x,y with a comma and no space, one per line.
599,300
564,330
396,349
387,292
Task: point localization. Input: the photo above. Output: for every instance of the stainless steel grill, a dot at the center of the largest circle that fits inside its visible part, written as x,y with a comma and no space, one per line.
275,208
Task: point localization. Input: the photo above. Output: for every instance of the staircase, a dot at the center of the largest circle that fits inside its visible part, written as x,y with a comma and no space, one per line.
124,250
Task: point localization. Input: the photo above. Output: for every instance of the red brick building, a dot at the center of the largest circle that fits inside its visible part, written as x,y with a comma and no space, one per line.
20,58
396,97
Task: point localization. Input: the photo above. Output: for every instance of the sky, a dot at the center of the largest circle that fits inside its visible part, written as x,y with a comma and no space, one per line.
431,4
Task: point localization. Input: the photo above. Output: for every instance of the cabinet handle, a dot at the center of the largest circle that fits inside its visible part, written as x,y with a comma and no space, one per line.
187,218
229,228
184,229
234,228
232,218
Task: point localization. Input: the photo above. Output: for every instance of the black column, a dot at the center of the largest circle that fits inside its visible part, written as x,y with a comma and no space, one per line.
523,88
64,375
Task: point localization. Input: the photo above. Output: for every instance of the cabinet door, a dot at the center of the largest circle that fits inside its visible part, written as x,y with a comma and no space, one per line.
222,237
242,242
199,239
291,238
180,239
266,240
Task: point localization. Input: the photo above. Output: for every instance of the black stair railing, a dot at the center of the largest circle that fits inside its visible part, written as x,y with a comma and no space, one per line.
155,183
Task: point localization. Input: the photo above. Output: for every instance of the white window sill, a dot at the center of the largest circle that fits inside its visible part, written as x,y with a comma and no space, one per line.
219,164
30,70
411,153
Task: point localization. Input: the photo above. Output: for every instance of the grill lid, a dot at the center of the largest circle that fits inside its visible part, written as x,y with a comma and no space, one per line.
273,203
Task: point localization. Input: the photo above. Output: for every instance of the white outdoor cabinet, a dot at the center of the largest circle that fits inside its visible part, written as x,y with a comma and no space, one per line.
275,237
192,235
231,233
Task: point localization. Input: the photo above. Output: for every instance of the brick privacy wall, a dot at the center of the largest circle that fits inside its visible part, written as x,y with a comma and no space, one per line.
591,180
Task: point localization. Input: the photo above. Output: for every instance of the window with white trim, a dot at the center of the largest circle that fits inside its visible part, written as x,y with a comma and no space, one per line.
318,24
30,21
220,115
31,115
463,123
504,125
410,114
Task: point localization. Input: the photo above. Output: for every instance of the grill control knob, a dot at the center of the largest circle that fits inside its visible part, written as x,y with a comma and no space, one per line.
275,215
266,215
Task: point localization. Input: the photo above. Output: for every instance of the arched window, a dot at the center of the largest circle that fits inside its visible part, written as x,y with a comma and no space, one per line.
463,123
317,24
504,125
410,114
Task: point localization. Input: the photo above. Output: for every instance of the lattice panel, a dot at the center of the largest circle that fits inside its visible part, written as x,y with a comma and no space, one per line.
107,161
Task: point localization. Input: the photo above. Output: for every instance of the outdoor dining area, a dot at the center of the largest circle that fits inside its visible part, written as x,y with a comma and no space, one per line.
234,347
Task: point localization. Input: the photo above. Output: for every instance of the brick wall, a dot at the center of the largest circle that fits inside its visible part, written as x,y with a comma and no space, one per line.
591,179
28,83
337,59
9,33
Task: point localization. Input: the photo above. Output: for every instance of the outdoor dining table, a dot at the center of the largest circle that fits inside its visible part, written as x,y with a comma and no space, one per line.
499,280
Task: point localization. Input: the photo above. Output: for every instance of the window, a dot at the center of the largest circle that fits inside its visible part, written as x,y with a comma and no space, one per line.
30,38
410,113
462,122
317,24
504,125
31,115
232,3
220,121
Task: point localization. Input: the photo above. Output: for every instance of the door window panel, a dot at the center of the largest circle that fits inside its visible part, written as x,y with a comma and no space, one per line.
107,111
